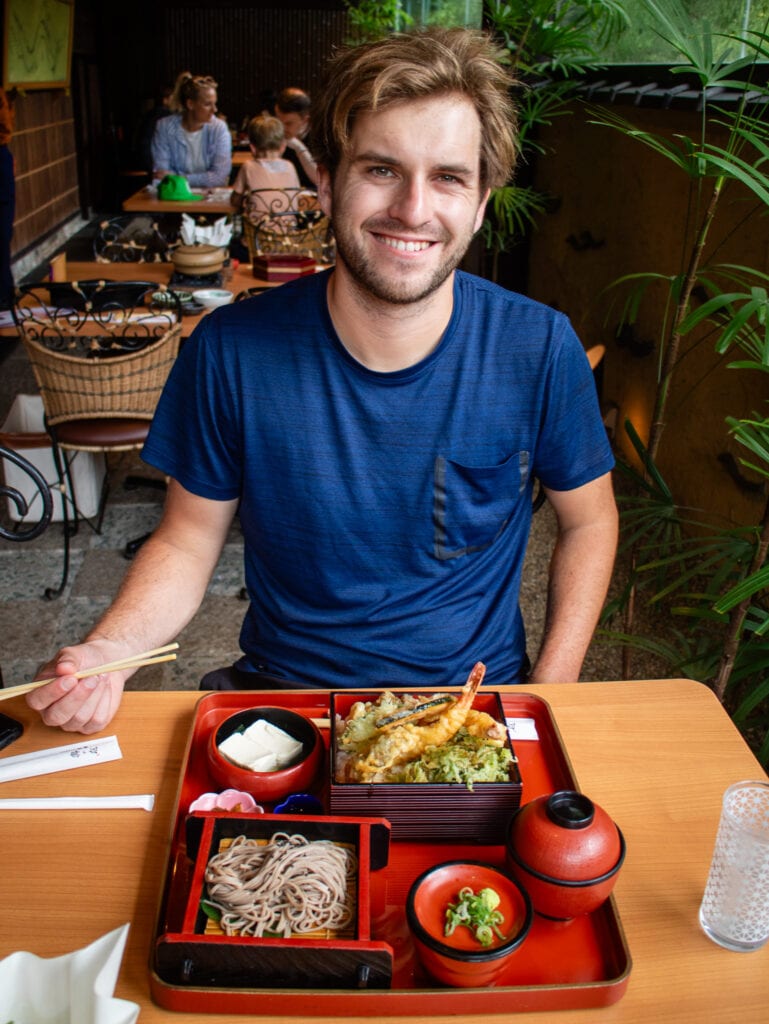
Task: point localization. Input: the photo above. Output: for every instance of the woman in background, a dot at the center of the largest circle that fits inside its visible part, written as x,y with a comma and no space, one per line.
193,142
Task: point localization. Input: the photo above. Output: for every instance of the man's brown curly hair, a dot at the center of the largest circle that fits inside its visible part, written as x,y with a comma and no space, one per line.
414,65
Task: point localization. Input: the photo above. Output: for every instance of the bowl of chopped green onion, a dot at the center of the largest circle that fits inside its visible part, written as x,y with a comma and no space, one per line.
467,919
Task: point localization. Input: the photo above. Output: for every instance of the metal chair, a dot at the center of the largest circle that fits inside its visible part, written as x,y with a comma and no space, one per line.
286,221
101,353
26,500
134,239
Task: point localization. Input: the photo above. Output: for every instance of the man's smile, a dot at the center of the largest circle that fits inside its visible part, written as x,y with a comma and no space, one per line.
402,244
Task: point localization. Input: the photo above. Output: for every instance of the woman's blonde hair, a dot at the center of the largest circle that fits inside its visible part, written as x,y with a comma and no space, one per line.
414,65
188,87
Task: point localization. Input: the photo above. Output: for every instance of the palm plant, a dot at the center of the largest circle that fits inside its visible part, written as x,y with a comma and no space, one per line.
712,577
373,19
549,44
713,169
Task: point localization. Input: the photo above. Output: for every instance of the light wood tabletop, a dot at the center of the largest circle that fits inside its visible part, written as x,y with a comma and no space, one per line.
657,755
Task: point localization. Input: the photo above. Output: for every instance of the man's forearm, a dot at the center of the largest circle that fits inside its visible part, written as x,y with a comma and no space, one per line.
161,592
167,581
580,573
305,159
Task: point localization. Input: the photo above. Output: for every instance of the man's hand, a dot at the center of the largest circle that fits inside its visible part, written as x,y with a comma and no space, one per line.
79,705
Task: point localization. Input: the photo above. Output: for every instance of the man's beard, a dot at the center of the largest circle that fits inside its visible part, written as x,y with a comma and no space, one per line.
390,288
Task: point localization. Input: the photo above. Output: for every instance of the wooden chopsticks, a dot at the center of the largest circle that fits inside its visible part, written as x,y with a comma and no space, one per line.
154,657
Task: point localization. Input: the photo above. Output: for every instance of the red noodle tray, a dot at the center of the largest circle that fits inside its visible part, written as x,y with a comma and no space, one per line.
561,965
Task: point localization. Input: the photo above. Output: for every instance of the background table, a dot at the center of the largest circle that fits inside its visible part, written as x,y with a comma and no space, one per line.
146,201
234,278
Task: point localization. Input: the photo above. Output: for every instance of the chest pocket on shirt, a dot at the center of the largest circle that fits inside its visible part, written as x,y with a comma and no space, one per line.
472,504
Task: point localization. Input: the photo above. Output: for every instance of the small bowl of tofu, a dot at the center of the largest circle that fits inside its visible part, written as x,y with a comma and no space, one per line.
268,752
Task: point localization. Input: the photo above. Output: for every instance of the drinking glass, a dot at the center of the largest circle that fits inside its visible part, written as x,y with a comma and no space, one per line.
735,907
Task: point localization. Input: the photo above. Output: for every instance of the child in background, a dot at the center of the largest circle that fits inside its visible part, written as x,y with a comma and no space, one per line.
266,139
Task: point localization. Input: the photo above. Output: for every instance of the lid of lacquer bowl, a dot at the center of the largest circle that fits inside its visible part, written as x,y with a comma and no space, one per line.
565,836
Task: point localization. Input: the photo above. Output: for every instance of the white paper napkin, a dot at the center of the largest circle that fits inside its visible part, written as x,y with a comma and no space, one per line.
218,233
76,988
139,801
59,759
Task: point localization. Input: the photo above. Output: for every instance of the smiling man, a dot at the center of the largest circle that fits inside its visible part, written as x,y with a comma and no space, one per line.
378,427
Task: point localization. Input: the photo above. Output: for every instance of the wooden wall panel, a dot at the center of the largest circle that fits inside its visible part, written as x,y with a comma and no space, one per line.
43,146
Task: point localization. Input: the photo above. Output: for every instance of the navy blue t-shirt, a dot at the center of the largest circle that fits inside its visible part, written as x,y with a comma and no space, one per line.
385,515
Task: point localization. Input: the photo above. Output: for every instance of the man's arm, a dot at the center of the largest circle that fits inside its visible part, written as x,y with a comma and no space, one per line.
161,592
305,159
580,571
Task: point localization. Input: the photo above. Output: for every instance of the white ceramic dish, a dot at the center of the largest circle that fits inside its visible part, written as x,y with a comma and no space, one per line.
212,297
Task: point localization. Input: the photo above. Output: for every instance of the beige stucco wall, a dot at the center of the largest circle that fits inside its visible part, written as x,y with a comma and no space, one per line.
636,203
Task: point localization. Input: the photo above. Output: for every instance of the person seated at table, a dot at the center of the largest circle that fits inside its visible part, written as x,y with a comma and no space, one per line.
193,142
377,428
292,108
267,141
155,111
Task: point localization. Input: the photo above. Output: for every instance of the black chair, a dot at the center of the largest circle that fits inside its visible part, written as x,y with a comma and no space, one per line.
132,238
35,487
101,353
27,500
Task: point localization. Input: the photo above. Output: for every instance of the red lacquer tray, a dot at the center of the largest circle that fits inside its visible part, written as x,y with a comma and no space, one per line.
561,965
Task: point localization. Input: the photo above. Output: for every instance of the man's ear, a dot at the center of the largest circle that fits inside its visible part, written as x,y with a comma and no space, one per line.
324,189
481,210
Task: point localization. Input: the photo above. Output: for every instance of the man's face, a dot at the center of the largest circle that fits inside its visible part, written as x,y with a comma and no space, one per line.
293,124
406,201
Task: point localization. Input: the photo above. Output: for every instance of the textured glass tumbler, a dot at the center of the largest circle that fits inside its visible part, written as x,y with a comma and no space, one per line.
735,908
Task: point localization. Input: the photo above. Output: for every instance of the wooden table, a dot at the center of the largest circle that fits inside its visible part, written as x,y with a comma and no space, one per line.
146,201
234,278
657,755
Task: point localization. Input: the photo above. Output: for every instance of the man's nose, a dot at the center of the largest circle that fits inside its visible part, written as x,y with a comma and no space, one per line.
410,204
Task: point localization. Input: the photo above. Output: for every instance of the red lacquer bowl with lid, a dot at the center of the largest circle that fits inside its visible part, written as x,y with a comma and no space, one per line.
566,852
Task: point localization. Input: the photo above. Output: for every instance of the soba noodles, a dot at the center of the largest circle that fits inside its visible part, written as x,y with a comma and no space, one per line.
287,886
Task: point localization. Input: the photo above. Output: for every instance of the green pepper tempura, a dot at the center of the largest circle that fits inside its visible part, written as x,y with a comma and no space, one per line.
478,912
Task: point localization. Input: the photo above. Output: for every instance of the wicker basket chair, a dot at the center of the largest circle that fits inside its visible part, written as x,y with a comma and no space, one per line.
286,221
100,370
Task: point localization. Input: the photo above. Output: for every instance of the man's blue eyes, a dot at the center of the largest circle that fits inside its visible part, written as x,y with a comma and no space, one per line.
386,172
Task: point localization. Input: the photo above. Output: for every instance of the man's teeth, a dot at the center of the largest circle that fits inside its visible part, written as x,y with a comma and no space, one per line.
402,246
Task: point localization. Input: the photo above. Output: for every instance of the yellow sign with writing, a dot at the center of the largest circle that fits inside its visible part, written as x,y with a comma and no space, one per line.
38,43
